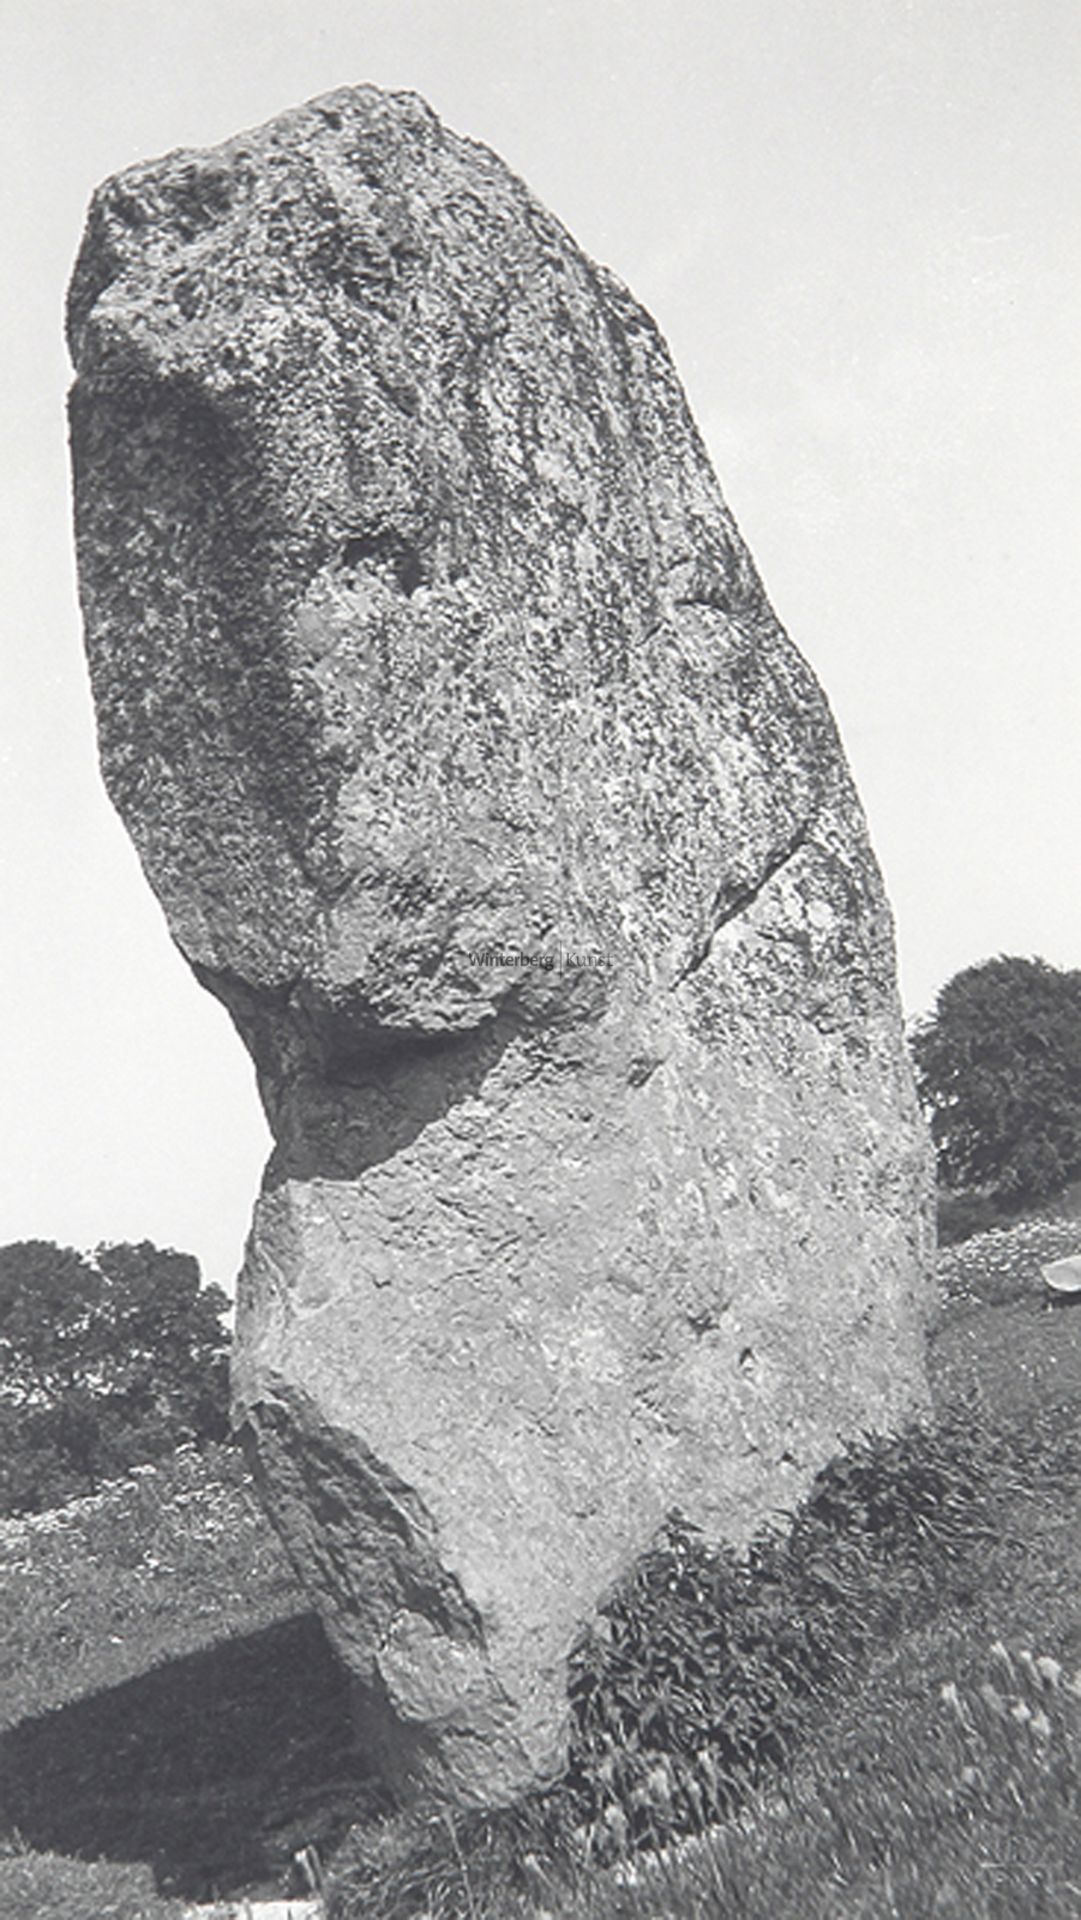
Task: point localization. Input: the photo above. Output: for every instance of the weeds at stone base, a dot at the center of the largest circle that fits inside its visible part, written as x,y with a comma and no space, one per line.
961,1801
702,1684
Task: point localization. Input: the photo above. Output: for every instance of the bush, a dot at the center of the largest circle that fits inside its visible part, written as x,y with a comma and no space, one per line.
712,1662
998,1065
105,1362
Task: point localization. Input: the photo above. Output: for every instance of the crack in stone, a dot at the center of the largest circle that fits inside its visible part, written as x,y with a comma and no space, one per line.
725,910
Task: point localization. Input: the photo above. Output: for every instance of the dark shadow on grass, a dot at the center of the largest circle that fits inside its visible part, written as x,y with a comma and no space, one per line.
215,1768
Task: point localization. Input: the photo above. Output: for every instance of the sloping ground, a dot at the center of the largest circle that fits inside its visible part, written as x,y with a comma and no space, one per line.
215,1769
946,1784
166,1697
928,1792
1000,1341
166,1563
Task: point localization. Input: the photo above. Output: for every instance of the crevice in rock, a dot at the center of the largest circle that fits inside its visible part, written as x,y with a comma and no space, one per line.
340,1096
728,904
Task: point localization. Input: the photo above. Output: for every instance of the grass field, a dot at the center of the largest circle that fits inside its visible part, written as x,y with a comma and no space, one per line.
50,1887
164,1563
898,1731
166,1697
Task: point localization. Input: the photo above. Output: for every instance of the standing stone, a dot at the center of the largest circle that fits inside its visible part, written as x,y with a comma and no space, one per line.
476,777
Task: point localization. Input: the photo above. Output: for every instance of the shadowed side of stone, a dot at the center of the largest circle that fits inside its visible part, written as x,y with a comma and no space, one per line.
476,777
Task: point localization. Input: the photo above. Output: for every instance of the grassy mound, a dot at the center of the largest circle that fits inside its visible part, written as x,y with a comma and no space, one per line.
156,1566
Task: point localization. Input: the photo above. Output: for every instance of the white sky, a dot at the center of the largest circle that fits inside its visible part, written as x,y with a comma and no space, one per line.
856,222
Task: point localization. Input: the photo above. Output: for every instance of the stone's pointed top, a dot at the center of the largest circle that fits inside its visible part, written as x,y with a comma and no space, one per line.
189,189
476,777
360,139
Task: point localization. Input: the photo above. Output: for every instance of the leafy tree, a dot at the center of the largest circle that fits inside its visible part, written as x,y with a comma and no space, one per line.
998,1065
106,1360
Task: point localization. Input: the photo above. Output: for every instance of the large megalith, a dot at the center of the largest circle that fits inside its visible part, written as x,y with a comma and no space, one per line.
476,777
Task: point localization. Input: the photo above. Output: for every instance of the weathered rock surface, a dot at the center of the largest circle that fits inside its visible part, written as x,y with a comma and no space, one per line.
419,630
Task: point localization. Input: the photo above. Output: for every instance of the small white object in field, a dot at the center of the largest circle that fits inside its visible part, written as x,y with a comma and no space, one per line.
309,1868
1063,1276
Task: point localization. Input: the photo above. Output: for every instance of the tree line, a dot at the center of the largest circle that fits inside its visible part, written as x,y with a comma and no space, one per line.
107,1360
998,1068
